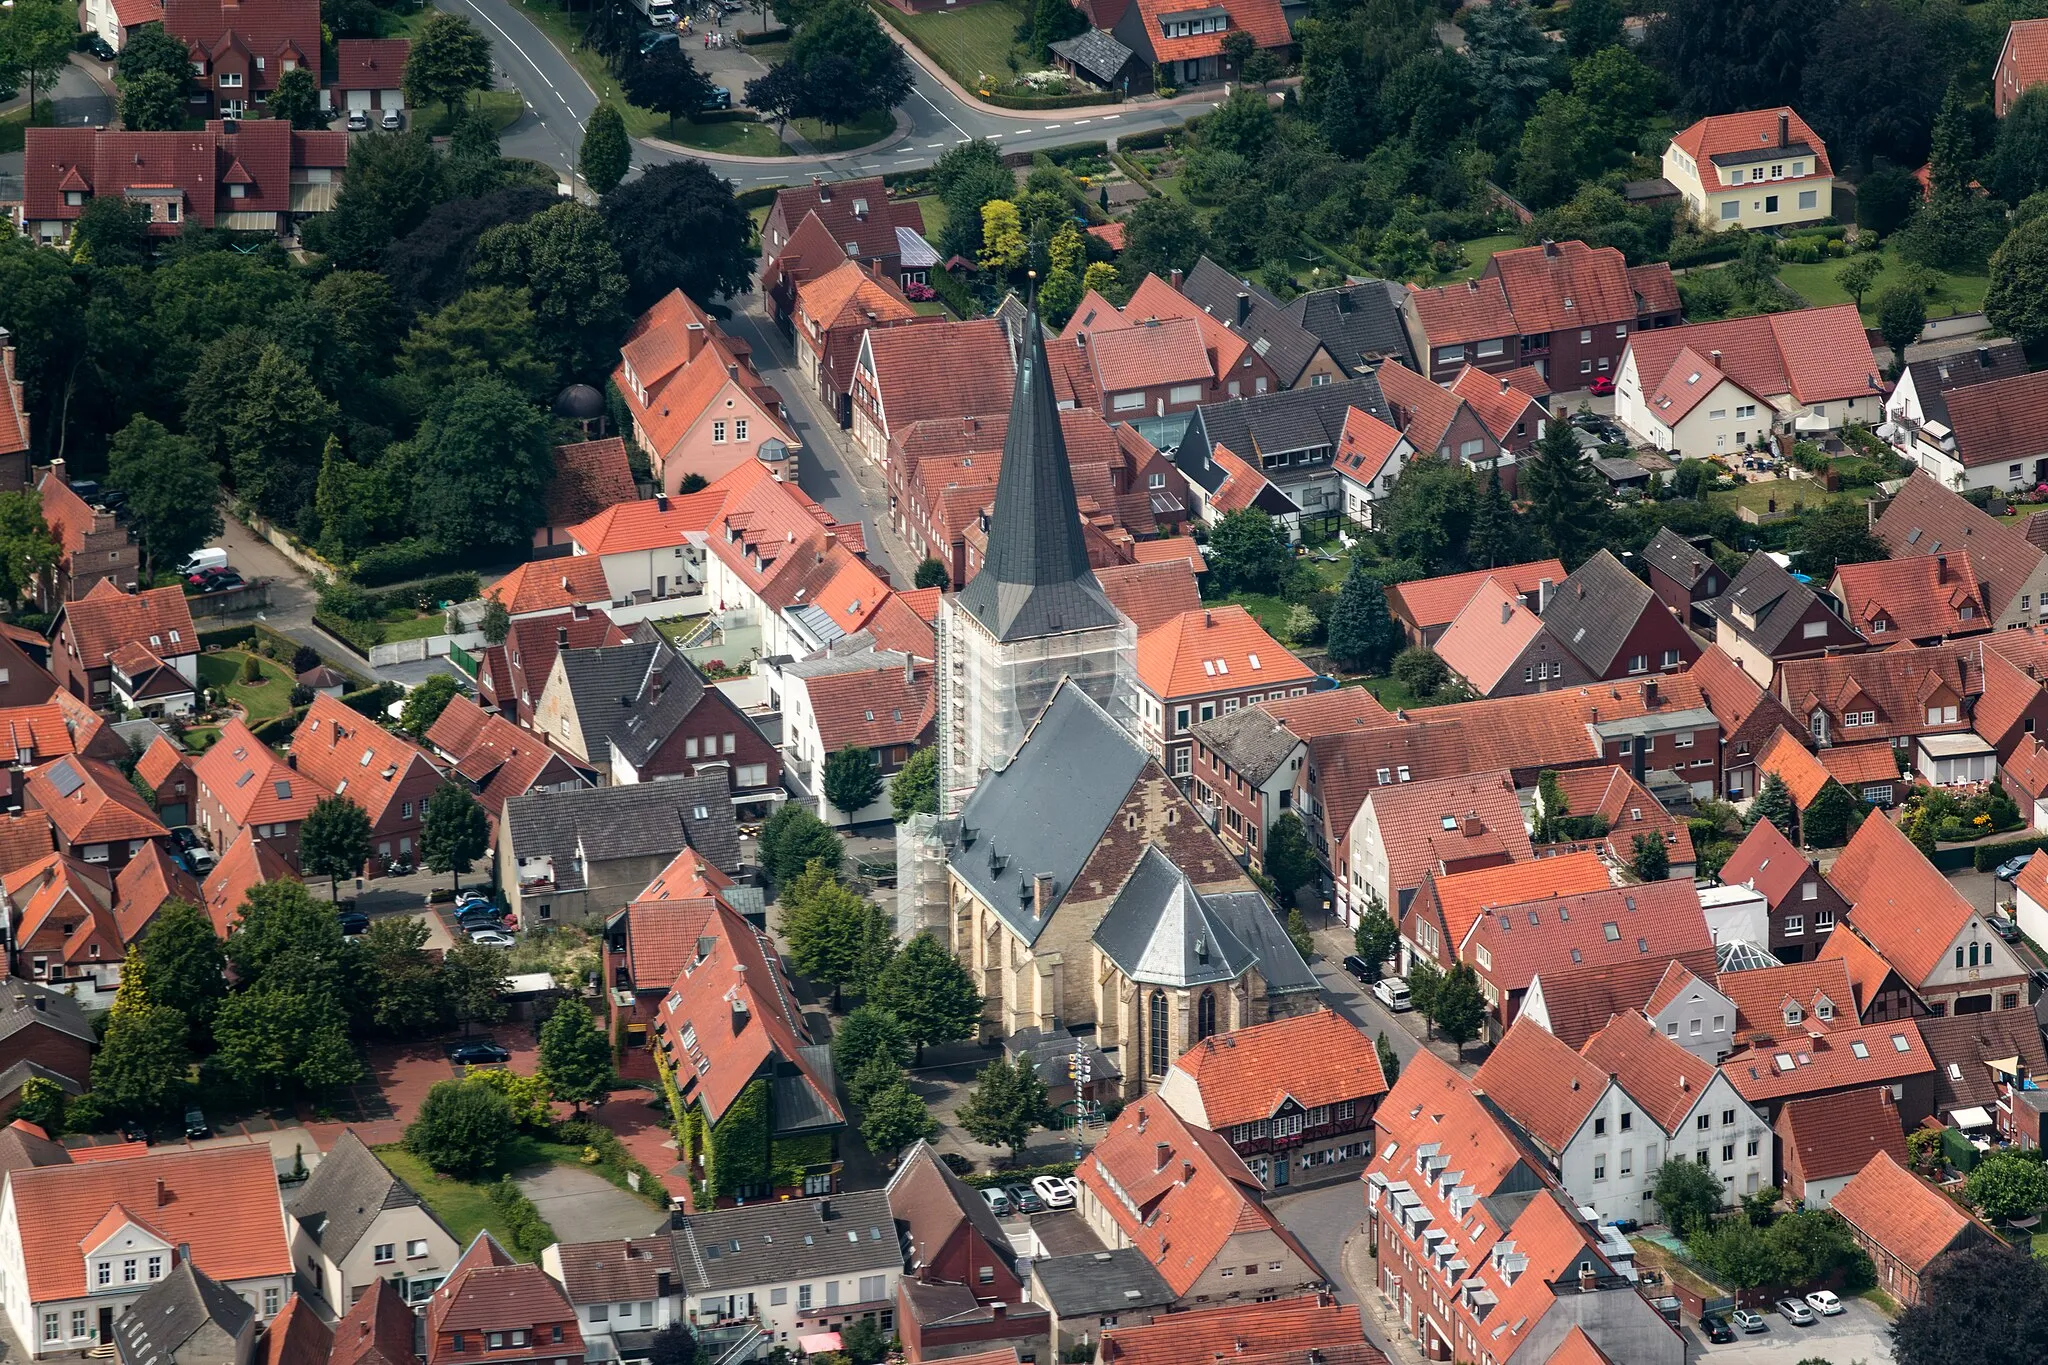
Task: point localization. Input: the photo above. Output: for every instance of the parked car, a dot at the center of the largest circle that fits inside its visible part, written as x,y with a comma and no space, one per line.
222,581
1053,1192
650,41
1073,1184
212,557
392,121
719,98
998,1202
1023,1199
1716,1328
1392,992
195,1125
133,1131
1795,1311
184,836
200,860
956,1163
470,900
1743,1320
353,922
2009,870
491,938
359,120
99,47
479,1054
1824,1302
1356,966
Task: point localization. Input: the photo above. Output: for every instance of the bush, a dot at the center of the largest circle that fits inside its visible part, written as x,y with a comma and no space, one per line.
529,1232
362,636
1985,857
399,561
1017,1175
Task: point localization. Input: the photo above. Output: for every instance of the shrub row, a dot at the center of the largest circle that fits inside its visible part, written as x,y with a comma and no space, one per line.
1078,100
759,197
983,1180
1986,856
401,560
703,116
773,35
1719,246
359,635
529,1232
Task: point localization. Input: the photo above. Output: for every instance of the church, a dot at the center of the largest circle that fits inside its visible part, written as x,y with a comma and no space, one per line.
1083,890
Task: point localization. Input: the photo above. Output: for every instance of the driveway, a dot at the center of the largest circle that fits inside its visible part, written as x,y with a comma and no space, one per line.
1858,1333
582,1206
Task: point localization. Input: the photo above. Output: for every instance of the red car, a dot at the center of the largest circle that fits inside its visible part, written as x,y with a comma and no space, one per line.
1601,386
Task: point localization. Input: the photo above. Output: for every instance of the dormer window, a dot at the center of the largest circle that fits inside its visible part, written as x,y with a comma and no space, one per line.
1793,1014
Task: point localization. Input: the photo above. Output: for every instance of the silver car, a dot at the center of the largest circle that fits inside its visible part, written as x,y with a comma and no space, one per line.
1795,1312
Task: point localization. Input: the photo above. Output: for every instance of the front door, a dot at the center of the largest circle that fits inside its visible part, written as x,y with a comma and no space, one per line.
107,1323
1281,1165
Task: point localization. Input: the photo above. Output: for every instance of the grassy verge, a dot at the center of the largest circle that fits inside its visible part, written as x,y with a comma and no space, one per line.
969,42
1818,286
463,1205
502,107
1478,252
14,126
264,700
1887,1305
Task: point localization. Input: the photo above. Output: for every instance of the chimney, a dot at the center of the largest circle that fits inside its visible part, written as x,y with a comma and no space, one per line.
996,1310
1507,612
1544,587
1187,1171
163,1193
1244,306
561,637
1586,1277
1684,1082
1162,1153
1984,356
660,505
1471,826
1941,568
1650,693
1784,129
1041,894
732,371
824,1210
1504,385
1175,280
1344,300
1715,356
1550,248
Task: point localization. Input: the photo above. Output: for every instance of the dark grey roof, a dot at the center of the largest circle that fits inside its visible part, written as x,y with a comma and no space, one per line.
1090,1283
26,1070
1050,1051
1677,557
21,1148
1648,191
773,1243
1359,323
1250,741
1595,608
346,1192
1275,423
797,1104
1273,330
1046,809
1935,379
1769,595
646,819
23,1003
669,692
157,1327
1034,579
632,695
1257,925
1161,931
1096,53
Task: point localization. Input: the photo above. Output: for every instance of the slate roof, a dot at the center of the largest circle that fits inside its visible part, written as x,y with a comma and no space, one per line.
1593,610
1964,1046
664,686
23,1145
646,819
1677,557
158,1327
1288,420
1272,328
19,1008
346,1192
1359,324
1089,1283
1046,810
1765,592
1935,379
721,1250
1160,930
1034,579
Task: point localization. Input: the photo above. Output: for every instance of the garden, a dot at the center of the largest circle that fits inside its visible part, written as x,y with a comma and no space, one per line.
260,688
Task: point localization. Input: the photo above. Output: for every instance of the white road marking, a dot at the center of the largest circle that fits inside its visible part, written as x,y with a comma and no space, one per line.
522,52
933,146
1080,122
992,135
1107,117
1050,126
940,112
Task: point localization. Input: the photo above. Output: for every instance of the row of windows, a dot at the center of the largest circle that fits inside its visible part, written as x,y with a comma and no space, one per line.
1777,173
1289,1125
1731,209
739,430
1487,350
81,1318
502,1341
386,1252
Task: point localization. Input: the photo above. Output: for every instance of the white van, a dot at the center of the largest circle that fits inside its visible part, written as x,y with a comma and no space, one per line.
1392,992
212,557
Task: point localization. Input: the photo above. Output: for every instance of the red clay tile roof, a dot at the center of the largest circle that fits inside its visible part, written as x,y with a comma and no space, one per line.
68,516
378,1330
1867,970
1269,1333
1577,1001
1896,684
1463,896
1814,354
370,63
1171,549
1658,1074
1366,446
222,1203
296,1336
899,625
2011,669
589,477
1654,287
1214,649
1687,384
1765,861
25,838
1484,826
90,802
248,863
41,732
1110,233
951,369
351,755
1794,765
857,213
1898,902
1488,636
71,893
1741,135
1799,1064
661,934
1836,1135
1241,484
1422,410
2027,39
1654,919
875,708
1151,594
105,618
499,759
1541,1084
544,585
1544,288
1313,1059
1458,314
1855,765
1151,354
1924,518
252,782
679,358
1500,405
488,1291
142,887
1910,1219
1629,810
14,429
646,524
1431,602
2000,420
1260,18
1922,597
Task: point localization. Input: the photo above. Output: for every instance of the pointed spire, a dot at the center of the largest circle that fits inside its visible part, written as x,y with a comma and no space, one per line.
1035,580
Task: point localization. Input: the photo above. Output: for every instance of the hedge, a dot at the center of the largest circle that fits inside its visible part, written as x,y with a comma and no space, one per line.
1078,100
1017,1174
399,561
1720,246
278,729
773,35
362,636
1985,857
703,116
227,637
956,295
462,585
529,1232
373,701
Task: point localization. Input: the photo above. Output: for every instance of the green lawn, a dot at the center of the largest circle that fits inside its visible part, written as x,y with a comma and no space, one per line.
272,697
1396,696
415,627
502,107
1817,285
970,41
1269,611
464,1205
1788,493
1478,252
934,209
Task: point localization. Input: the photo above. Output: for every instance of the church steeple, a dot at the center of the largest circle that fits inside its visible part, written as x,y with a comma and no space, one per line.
1035,580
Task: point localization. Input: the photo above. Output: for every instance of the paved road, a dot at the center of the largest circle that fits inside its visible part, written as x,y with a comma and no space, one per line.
560,100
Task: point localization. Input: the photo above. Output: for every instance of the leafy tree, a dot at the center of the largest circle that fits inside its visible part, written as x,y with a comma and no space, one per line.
1007,1102
1102,278
151,49
402,985
573,277
428,267
425,703
1060,294
1979,1305
779,95
461,1128
110,232
931,573
1390,1060
915,788
871,1078
666,81
1248,552
575,1056
27,549
1774,803
1850,98
865,1343
1459,1009
1831,535
1687,1194
474,977
672,1345
274,434
1300,935
1512,63
877,75
455,831
1885,199
334,840
607,153
286,941
497,621
1055,21
1566,503
1002,236
1289,860
1430,515
35,42
483,463
2018,165
41,1103
1901,313
142,1060
1649,859
173,492
1719,57
296,97
1425,979
2008,1185
283,1036
867,1032
825,929
1826,821
185,960
1590,25
1242,124
1377,937
1161,235
678,226
1363,637
1422,671
1859,273
1560,148
893,1118
533,1100
930,993
2017,301
449,59
853,778
485,333
792,839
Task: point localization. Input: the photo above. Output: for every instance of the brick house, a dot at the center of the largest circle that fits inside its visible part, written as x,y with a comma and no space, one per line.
496,759
1186,42
1923,518
239,51
1440,421
1923,600
249,862
2022,63
856,220
369,74
66,935
1684,576
913,374
96,813
14,424
1768,617
344,752
1824,1141
1245,760
92,547
963,1289
1500,648
493,1308
515,672
43,1033
1611,622
833,311
1803,905
89,632
241,785
1903,1223
589,477
1425,607
649,942
1204,664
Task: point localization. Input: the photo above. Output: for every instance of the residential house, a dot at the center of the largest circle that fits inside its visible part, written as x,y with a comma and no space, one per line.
117,20
186,1316
1808,1056
513,674
344,752
779,561
635,555
856,221
242,785
1425,607
1767,617
1294,1098
1274,1330
380,1330
88,632
647,943
1439,919
1919,399
1226,362
1361,325
1692,1011
243,175
1762,169
1803,905
1719,387
493,1308
2025,775
1564,307
1823,1142
23,681
1186,45
1238,486
369,74
1684,575
2011,706
571,855
1370,458
1526,1277
1276,333
1903,1224
1439,421
1911,916
92,547
1894,696
66,933
1290,437
1747,713
1509,405
1923,518
496,759
1694,1106
14,417
964,1288
1246,760
355,1223
1923,600
1611,798
697,404
1981,1061
791,1267
151,879
834,310
248,863
81,1243
623,1291
1089,1292
1153,1181
878,700
2022,63
1611,622
945,370
96,813
1995,436
43,1034
1500,648
1204,664
549,587
238,54
1407,832
589,477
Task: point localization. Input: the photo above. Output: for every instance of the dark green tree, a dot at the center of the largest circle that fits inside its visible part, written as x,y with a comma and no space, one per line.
2008,1185
1566,503
678,226
1828,819
1422,671
1833,534
1846,94
1289,860
867,1032
1885,199
425,703
483,334
274,434
142,1061
1901,313
1007,1102
564,259
1975,1308
455,832
1161,235
184,960
150,49
931,573
173,491
284,939
461,1128
930,993
35,43
877,73
474,977
1430,515
1719,57
2018,165
1859,274
1377,938
403,989
483,464
823,920
1054,21
1362,635
1248,552
1459,1008
792,838
915,788
966,177
1390,1060
1649,859
672,1345
334,841
2017,301
449,59
296,98
1424,981
497,621
1590,25
872,1077
1300,935
853,778
1687,1194
576,1057
110,232
607,153
666,81
284,1037
1496,535
893,1118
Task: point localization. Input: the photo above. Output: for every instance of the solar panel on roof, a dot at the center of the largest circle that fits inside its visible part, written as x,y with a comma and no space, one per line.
65,778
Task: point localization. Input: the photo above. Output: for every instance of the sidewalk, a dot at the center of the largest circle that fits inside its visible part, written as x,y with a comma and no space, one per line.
1333,944
1382,1328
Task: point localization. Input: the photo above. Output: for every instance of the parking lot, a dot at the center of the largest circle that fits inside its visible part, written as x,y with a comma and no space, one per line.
1859,1333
